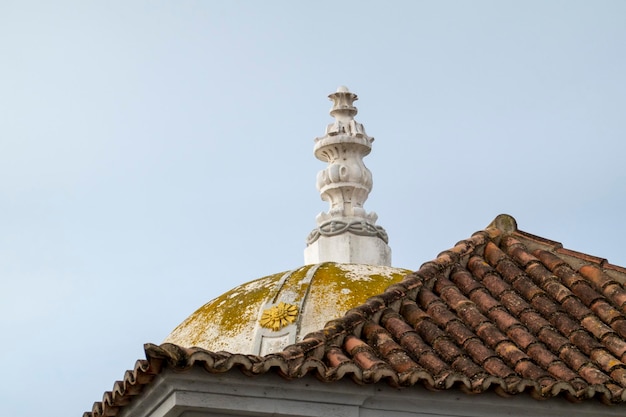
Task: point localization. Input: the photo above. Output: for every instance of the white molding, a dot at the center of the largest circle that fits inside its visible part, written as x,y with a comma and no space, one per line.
198,393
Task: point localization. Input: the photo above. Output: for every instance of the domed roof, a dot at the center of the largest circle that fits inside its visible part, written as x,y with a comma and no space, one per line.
267,314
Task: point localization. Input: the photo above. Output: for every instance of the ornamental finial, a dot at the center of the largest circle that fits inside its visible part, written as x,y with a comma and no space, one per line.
346,233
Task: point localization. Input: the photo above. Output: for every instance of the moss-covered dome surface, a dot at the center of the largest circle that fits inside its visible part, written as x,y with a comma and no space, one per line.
267,314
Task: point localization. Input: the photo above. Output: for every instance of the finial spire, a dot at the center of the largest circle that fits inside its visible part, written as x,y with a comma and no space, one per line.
346,233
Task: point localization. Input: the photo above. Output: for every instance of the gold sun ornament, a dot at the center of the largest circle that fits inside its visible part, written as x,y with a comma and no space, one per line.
279,316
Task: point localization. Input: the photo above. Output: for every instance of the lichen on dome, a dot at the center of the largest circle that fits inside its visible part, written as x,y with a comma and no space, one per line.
316,293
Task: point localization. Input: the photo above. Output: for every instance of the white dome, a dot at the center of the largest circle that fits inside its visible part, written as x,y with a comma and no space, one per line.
270,313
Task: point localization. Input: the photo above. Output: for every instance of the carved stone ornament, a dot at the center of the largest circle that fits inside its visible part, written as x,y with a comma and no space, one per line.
346,182
337,227
279,316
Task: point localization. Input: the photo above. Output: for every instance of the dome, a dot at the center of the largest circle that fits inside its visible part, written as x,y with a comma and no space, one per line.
267,314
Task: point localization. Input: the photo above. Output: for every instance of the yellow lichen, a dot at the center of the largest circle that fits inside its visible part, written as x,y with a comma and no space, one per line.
225,316
340,288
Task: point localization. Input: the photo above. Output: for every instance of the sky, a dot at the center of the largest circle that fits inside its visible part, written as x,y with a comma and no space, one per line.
155,154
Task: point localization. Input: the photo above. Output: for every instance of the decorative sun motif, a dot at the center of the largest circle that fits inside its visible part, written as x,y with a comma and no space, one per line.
279,316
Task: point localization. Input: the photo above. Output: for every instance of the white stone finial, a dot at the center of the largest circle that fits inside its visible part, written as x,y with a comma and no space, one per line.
346,233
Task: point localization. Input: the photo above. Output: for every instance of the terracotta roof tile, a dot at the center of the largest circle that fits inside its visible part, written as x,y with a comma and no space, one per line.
503,310
582,256
612,290
575,307
336,356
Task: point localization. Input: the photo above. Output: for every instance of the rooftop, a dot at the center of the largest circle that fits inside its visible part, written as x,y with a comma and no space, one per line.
503,310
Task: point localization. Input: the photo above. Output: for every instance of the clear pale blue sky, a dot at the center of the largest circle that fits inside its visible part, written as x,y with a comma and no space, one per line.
155,154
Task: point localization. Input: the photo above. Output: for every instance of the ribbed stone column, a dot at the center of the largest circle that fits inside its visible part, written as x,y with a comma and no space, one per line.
346,233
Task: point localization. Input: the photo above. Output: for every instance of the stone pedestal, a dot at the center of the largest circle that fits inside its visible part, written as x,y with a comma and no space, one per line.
350,249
